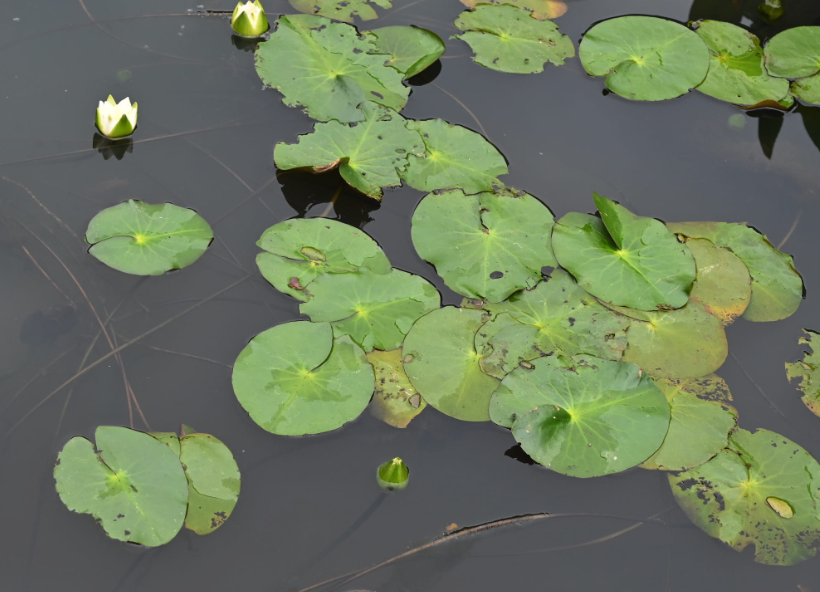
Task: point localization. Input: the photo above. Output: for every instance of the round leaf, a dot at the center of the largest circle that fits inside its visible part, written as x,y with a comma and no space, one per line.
808,371
794,53
723,283
807,89
341,10
540,9
395,401
412,48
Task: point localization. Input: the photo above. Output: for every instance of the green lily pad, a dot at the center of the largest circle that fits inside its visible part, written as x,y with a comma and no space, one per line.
341,10
763,490
295,379
369,155
736,72
395,401
807,89
807,371
624,259
509,39
148,239
442,364
376,310
777,287
702,418
455,157
723,284
412,48
132,483
794,53
540,9
300,250
645,58
327,68
487,245
582,416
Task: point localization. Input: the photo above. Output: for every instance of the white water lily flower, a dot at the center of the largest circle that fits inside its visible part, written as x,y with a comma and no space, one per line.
249,19
116,120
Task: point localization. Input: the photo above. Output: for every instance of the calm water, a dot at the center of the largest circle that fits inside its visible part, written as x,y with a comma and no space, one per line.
205,141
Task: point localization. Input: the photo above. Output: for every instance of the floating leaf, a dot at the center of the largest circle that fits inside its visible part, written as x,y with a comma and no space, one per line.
148,239
807,89
132,483
487,245
723,285
807,371
638,263
341,10
395,401
376,310
702,418
369,155
540,9
455,157
739,497
327,68
736,72
794,53
508,39
645,58
413,49
295,379
442,364
777,288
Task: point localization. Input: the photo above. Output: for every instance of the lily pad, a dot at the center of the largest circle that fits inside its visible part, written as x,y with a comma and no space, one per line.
723,283
807,371
148,239
582,416
442,364
509,39
341,10
763,490
300,250
327,68
540,9
624,259
736,72
395,401
702,418
645,58
794,53
295,379
376,310
455,157
777,287
369,155
412,49
807,89
487,245
132,483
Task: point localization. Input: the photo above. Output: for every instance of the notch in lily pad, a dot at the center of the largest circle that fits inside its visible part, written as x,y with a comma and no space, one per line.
394,475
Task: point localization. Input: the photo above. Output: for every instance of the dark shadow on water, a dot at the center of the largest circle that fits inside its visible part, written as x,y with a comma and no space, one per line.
328,195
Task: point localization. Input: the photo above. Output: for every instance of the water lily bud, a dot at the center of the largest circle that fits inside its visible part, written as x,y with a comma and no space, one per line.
116,120
393,474
771,10
249,19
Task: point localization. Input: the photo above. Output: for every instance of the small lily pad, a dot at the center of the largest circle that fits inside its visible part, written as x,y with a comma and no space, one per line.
509,39
148,239
723,283
807,89
807,371
412,49
487,245
741,495
341,10
794,53
540,9
295,379
395,401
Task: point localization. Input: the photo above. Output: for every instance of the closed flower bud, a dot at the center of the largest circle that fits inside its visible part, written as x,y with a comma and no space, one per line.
393,474
249,19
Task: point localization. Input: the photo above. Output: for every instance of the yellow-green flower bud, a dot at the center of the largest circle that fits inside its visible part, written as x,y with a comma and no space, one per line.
116,120
393,474
249,19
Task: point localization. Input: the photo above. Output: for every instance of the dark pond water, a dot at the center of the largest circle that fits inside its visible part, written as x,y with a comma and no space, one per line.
205,141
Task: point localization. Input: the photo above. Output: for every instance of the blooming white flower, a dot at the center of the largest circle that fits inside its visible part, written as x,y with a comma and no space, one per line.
249,19
116,120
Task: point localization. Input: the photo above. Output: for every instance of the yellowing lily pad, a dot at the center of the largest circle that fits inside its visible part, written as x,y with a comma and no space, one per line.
723,283
540,9
395,401
808,371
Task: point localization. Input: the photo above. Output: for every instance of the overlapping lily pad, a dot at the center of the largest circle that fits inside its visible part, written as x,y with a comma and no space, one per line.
808,371
300,250
148,239
295,379
412,49
540,9
395,401
645,58
763,490
794,53
508,39
328,69
342,10
723,283
807,89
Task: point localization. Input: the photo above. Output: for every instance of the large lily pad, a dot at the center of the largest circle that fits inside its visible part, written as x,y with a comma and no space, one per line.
487,245
131,482
412,49
395,401
508,39
702,418
298,251
777,288
442,364
807,89
341,10
723,284
794,53
455,157
764,490
540,9
808,371
295,379
736,72
376,310
624,259
328,69
148,239
582,416
645,58
369,155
